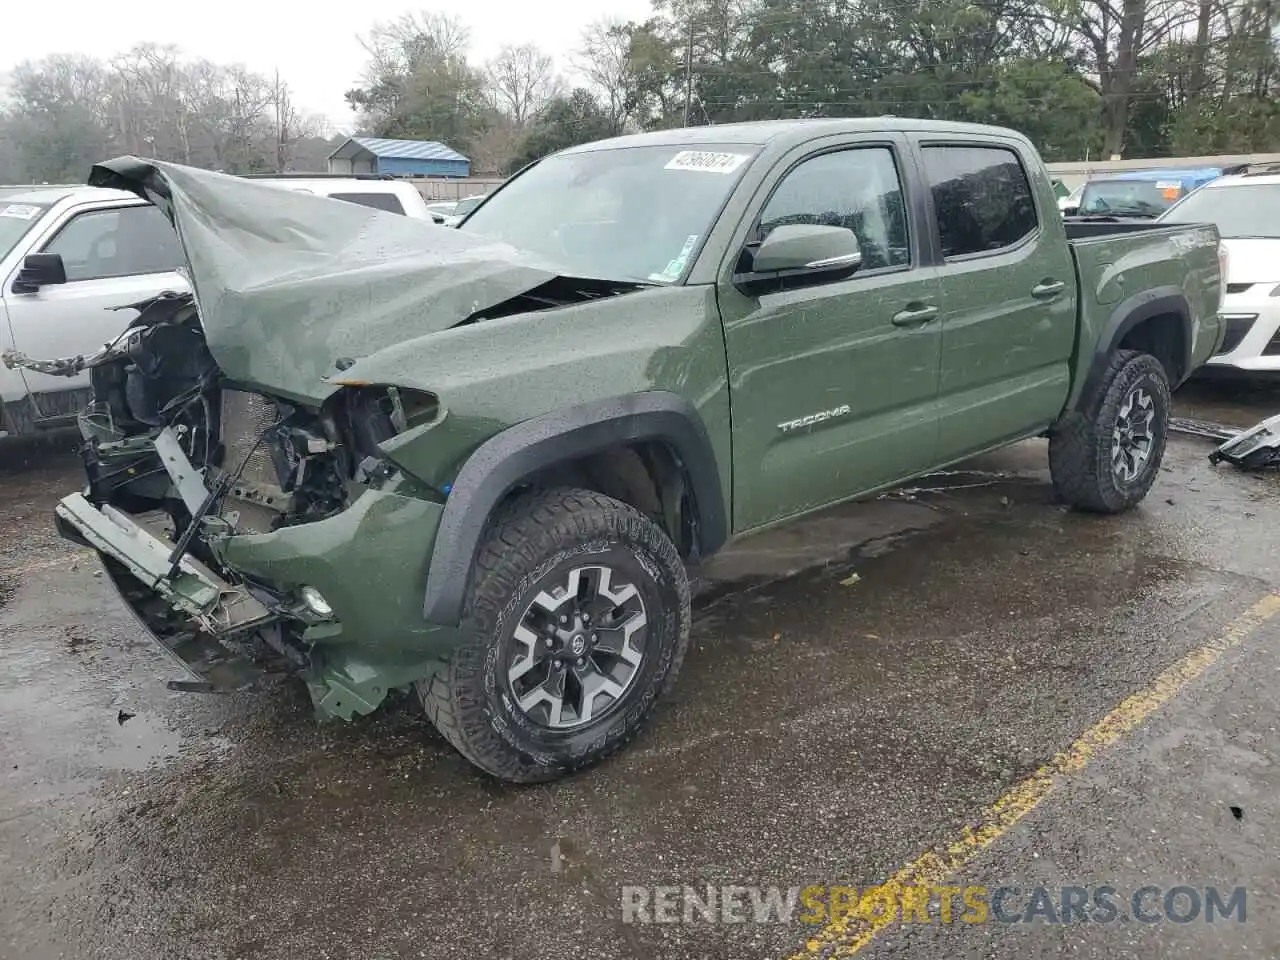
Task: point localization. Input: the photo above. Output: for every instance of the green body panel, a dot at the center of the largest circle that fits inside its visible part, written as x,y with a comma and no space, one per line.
829,349
1115,270
491,375
1006,356
369,562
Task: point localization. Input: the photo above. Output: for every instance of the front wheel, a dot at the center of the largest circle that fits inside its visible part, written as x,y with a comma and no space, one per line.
578,618
1105,457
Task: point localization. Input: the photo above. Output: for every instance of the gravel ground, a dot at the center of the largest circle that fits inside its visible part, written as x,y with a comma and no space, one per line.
824,731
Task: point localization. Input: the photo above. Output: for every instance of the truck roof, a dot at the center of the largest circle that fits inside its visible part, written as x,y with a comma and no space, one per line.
791,132
48,194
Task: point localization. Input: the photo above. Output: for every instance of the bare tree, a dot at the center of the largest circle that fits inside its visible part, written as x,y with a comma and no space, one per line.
1118,34
604,61
522,79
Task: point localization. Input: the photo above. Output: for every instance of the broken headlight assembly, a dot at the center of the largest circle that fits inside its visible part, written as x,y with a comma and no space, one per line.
371,414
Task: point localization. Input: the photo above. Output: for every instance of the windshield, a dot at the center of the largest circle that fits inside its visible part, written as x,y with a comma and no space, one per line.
630,213
15,220
1251,210
464,207
1127,198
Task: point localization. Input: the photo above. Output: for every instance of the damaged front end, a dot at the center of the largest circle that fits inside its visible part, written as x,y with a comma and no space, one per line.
185,472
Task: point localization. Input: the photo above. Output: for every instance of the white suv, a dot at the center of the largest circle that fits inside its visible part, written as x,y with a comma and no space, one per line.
382,193
1246,209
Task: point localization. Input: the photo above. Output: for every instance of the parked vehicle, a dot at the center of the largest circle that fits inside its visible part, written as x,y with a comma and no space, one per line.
71,257
440,209
371,190
1246,210
1140,193
1069,205
488,484
461,209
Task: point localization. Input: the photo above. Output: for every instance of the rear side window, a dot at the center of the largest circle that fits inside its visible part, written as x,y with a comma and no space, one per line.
981,197
379,201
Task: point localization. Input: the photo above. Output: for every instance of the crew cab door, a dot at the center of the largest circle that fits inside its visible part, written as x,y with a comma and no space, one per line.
833,383
114,253
1008,281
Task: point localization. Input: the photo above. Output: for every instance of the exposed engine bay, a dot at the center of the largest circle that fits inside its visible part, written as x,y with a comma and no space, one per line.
265,463
177,458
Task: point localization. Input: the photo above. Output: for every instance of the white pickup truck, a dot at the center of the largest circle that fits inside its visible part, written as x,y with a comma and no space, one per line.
72,256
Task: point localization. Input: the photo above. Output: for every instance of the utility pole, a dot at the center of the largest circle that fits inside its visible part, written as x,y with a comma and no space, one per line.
688,70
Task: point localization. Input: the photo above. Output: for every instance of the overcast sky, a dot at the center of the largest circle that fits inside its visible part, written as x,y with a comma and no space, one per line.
314,46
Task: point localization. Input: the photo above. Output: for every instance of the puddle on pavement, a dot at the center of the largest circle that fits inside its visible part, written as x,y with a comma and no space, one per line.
1231,402
136,744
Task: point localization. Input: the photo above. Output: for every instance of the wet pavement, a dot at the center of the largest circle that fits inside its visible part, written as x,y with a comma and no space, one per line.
827,728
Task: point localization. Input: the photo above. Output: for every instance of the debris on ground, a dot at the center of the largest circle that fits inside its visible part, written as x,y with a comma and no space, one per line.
1254,449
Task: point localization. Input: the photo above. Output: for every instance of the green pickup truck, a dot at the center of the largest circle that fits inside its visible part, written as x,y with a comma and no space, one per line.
479,462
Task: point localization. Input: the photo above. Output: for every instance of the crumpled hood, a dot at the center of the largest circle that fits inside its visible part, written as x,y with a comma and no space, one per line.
289,283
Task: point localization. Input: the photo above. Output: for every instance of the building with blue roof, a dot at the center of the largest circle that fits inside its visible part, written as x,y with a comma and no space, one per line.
398,158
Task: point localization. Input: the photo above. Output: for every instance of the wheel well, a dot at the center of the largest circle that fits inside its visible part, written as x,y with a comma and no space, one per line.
647,474
1163,337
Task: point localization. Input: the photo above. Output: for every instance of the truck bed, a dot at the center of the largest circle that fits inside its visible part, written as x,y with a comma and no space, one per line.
1117,260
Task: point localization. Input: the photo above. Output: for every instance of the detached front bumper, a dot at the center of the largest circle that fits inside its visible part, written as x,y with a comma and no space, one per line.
368,563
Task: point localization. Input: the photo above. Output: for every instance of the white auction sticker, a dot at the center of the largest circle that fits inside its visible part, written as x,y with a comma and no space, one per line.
706,161
20,211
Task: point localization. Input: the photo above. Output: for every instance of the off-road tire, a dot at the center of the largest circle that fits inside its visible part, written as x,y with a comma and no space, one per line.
1080,447
527,540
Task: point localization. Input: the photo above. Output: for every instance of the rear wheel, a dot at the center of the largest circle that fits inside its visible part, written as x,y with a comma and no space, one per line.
578,618
1106,456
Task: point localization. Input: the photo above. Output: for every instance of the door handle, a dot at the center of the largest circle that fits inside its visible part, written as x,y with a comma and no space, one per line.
914,316
1048,289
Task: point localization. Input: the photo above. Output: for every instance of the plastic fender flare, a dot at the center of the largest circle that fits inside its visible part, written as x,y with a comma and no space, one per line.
502,461
1128,314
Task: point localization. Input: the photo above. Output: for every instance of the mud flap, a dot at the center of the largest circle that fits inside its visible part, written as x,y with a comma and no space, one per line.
1254,449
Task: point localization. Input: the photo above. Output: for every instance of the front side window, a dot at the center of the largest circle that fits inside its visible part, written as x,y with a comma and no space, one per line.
379,201
859,189
981,198
121,242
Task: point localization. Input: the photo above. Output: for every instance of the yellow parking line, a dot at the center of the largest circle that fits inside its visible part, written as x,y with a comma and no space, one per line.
848,935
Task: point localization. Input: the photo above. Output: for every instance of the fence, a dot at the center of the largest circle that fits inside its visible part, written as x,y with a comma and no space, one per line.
1075,172
440,188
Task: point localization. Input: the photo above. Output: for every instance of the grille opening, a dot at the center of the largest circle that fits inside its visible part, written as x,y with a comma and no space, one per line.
1237,329
244,418
1238,287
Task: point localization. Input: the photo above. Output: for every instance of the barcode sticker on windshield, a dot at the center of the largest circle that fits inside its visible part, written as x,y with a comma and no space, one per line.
706,162
20,211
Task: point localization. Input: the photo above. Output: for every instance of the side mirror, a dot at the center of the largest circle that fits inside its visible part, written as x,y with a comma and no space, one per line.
40,270
802,251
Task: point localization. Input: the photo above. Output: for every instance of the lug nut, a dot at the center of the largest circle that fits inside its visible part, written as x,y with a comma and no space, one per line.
581,661
594,638
563,618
